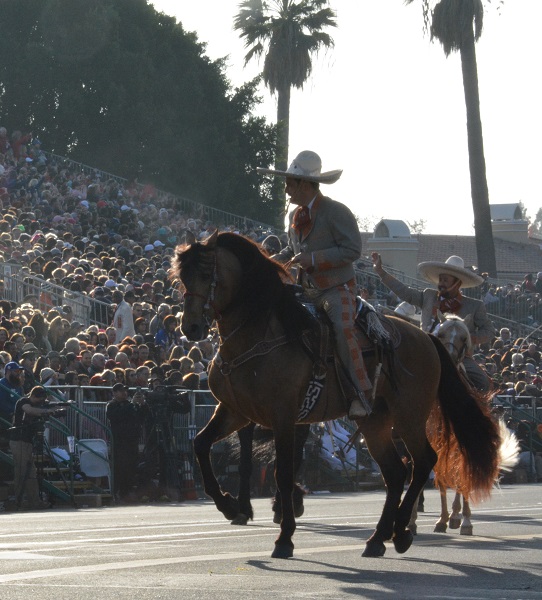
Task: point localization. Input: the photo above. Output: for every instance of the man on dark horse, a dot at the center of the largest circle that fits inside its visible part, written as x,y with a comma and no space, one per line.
324,241
449,277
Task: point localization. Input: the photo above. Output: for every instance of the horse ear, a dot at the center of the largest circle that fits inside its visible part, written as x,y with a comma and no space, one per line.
468,320
440,316
211,240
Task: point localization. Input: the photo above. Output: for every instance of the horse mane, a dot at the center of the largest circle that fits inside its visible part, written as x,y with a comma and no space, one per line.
264,281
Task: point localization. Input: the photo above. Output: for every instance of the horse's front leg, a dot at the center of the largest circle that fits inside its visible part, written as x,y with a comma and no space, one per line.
442,524
301,435
221,424
284,477
246,512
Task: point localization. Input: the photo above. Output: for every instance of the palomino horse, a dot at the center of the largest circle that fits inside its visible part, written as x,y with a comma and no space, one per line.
262,372
454,334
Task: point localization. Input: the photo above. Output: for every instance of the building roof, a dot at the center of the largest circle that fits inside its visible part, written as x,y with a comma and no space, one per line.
392,228
506,212
514,260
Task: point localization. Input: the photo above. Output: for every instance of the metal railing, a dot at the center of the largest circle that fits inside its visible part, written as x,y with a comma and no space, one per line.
45,295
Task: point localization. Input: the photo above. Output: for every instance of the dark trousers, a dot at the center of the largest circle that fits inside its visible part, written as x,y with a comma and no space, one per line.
125,461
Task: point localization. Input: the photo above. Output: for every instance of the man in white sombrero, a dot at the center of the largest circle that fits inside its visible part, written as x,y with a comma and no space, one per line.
449,277
324,241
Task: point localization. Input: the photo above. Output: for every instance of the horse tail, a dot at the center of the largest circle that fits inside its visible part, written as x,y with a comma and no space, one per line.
509,449
463,433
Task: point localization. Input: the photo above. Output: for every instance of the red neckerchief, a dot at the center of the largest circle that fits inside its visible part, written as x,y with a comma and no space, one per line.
450,305
302,217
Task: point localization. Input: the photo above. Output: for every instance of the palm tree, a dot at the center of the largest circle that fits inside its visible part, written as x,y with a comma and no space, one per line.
288,33
457,25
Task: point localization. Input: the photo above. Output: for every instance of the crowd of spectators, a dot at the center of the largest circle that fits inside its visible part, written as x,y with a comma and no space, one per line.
80,239
520,301
96,237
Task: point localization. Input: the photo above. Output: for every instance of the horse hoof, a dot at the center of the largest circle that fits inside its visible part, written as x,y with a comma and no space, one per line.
403,541
283,551
466,530
277,518
240,519
455,523
413,529
440,528
298,512
374,550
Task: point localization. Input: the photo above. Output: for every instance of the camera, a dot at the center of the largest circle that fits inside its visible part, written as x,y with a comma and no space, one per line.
165,400
60,407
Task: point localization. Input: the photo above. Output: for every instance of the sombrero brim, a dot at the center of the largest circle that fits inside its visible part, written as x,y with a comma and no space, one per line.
327,177
431,270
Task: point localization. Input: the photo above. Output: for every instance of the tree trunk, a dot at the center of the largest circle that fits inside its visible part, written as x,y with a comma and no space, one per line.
485,247
283,134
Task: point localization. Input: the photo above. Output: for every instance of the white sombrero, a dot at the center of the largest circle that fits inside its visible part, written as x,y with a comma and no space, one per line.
306,165
407,311
453,266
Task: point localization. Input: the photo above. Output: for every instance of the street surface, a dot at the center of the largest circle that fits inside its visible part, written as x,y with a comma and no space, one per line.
188,551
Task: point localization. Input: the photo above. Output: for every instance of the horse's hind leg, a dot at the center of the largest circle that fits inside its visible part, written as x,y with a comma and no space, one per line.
221,424
423,461
455,518
442,524
246,512
380,445
466,525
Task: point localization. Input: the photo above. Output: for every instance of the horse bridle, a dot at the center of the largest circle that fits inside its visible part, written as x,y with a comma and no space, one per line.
461,351
209,301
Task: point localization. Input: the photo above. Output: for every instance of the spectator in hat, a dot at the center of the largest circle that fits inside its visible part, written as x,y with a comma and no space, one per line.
27,362
48,377
126,418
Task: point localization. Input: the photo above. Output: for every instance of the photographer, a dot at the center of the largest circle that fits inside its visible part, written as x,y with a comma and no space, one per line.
126,418
29,413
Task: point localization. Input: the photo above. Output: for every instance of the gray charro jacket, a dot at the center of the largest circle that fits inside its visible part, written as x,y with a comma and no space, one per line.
481,330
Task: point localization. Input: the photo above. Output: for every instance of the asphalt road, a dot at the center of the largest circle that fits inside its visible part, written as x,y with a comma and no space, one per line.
188,551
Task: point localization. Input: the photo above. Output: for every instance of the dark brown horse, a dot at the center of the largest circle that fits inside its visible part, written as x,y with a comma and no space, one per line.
262,371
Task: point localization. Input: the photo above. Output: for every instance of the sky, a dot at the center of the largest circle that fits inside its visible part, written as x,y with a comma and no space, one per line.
387,107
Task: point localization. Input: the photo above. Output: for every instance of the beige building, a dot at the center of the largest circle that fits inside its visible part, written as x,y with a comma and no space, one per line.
516,253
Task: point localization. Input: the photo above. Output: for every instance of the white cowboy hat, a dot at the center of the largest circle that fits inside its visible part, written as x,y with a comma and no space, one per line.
408,311
307,165
453,266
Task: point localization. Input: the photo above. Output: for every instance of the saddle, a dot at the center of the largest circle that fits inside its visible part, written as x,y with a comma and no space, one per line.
377,336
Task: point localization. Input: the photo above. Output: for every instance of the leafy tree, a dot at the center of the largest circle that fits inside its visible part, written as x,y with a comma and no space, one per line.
457,25
288,34
116,85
